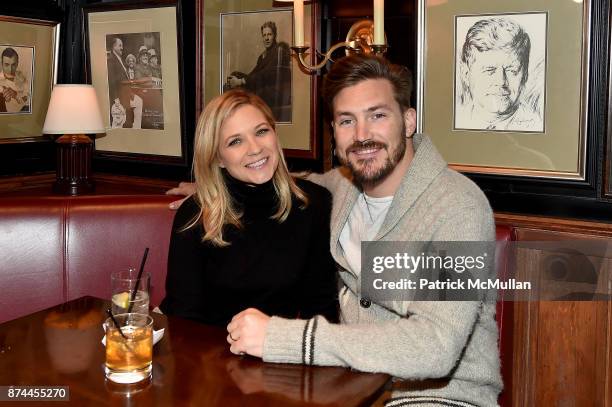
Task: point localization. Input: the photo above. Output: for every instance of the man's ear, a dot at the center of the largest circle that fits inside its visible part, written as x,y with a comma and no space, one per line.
410,121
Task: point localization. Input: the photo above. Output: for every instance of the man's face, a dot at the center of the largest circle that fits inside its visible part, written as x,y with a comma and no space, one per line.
268,36
144,58
370,129
9,67
496,81
118,47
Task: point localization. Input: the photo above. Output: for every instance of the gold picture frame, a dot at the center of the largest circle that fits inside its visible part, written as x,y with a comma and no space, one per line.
298,135
557,146
36,43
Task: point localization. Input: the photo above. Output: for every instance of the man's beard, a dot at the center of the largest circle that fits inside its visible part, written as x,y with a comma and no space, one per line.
362,173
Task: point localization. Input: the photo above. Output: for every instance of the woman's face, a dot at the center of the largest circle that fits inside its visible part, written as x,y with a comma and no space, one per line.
248,147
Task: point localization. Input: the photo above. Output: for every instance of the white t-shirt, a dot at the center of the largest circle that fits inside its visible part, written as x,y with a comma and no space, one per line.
364,222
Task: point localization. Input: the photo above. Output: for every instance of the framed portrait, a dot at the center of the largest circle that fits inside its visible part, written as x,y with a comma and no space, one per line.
247,45
606,165
28,71
490,93
132,54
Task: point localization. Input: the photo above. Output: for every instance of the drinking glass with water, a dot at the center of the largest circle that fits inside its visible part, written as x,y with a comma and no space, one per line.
129,294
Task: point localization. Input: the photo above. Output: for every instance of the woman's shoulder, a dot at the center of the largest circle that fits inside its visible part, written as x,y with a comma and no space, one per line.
188,209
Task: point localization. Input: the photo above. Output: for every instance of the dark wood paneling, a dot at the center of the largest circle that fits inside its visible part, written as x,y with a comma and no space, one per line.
105,184
562,349
551,227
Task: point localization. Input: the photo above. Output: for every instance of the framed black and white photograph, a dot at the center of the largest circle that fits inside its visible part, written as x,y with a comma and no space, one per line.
256,55
16,79
28,56
135,80
500,72
502,88
247,44
133,61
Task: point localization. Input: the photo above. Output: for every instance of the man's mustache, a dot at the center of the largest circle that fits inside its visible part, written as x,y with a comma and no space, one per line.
358,146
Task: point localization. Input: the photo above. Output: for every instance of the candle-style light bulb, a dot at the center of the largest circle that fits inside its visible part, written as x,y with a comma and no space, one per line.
298,23
379,22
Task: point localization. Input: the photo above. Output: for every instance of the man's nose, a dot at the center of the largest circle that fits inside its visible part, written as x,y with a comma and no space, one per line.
501,77
362,131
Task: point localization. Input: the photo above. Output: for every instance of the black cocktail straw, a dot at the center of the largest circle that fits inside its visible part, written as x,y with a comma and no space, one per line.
112,317
135,289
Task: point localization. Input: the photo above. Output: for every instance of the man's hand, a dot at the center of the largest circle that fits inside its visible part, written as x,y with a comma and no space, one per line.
8,93
247,331
185,189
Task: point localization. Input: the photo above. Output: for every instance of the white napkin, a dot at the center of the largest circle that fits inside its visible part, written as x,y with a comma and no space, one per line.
157,335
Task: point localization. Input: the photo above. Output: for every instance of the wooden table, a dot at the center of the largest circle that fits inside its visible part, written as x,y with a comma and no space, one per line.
192,366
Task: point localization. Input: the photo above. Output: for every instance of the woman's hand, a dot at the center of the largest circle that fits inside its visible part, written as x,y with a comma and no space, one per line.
247,331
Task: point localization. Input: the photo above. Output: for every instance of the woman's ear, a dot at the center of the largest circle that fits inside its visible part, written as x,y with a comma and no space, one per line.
220,162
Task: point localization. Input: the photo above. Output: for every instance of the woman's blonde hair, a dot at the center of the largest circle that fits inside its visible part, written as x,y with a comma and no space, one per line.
212,195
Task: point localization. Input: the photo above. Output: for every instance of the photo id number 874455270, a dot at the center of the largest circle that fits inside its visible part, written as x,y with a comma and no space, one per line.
23,393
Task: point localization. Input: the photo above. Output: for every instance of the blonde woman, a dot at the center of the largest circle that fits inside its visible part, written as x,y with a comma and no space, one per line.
251,235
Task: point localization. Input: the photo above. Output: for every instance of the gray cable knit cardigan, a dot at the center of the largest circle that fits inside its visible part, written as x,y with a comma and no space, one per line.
453,343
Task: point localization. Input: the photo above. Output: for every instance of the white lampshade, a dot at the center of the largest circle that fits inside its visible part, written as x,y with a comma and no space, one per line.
73,109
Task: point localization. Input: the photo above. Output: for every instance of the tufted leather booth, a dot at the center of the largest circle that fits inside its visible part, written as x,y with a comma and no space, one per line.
57,249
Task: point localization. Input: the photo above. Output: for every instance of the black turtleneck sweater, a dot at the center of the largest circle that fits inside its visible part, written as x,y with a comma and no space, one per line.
283,269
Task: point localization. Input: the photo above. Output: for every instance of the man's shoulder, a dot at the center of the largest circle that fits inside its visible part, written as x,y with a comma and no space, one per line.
463,190
283,45
332,179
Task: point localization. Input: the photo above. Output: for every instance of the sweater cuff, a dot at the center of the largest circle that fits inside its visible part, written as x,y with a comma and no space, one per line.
284,341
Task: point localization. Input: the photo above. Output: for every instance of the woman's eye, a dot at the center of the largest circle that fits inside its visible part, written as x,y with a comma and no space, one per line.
262,131
234,142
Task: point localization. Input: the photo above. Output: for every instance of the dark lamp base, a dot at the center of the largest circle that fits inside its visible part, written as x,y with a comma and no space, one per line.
73,172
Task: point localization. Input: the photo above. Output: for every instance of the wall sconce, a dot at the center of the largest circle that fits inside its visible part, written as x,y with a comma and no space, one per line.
73,112
365,36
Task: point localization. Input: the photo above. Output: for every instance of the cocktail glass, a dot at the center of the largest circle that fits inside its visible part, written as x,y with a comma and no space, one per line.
129,352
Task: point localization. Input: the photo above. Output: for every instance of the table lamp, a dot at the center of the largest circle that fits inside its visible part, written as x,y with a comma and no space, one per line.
73,112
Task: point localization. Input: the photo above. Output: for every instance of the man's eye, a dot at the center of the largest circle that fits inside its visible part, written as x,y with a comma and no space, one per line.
378,115
345,122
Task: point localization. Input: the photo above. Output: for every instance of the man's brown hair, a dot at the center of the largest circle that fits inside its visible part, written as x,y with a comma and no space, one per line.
351,70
